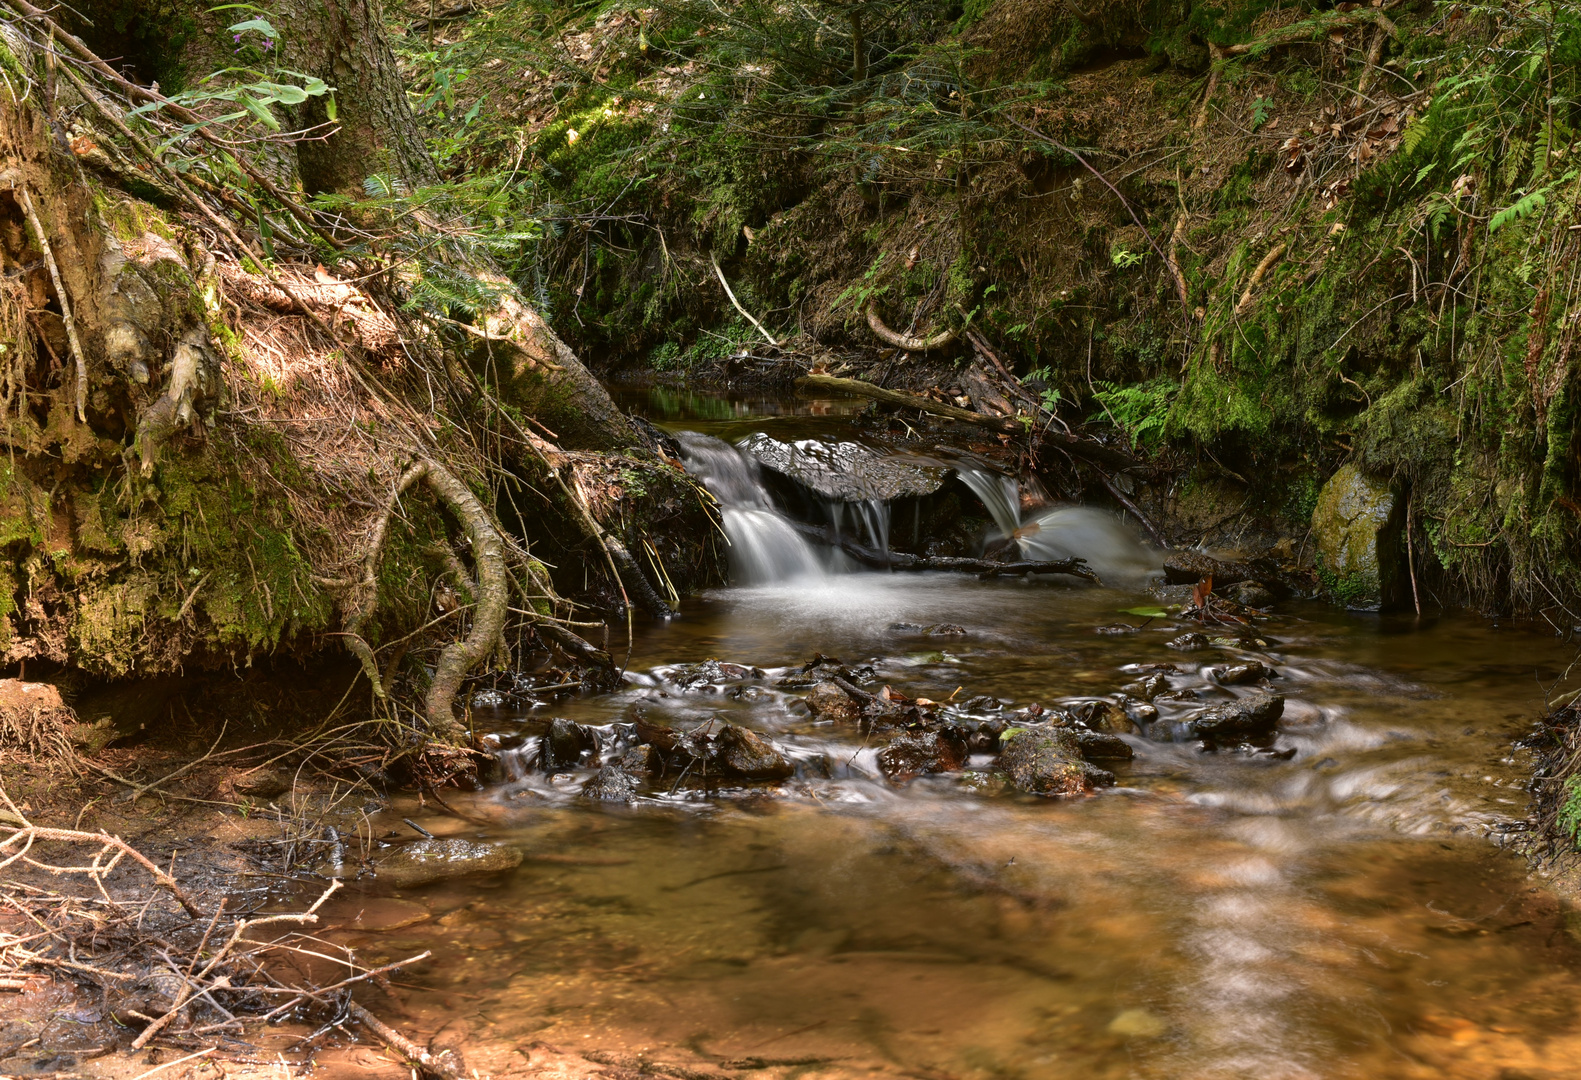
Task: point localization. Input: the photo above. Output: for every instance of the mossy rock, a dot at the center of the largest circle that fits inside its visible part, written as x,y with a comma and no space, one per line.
1356,526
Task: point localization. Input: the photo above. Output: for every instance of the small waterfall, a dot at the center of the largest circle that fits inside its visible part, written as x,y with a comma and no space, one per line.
999,494
1062,532
764,546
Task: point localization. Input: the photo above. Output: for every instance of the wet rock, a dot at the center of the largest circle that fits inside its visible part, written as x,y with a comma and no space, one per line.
1141,714
565,744
846,471
1245,641
260,784
709,673
822,668
750,756
1242,674
1189,642
1255,714
1101,715
423,862
610,784
1190,567
985,783
1048,761
643,760
828,702
1356,527
1184,693
1117,628
1102,746
944,629
488,699
1147,689
912,753
1249,594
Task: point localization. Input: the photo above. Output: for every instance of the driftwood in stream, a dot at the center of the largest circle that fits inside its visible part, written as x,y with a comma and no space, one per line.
983,568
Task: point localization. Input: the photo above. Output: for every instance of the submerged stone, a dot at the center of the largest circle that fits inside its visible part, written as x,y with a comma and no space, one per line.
423,862
1188,642
750,756
1148,688
1048,761
1356,527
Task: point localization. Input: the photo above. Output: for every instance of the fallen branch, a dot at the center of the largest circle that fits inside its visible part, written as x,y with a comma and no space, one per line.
984,568
903,341
442,1065
745,314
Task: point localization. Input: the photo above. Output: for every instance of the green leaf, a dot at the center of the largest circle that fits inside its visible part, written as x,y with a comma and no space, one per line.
331,110
1146,612
263,26
1525,206
260,111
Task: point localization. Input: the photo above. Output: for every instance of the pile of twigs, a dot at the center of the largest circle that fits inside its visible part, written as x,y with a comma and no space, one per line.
188,969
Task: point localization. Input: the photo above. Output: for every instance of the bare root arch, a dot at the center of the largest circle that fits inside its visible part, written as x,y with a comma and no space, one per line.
905,341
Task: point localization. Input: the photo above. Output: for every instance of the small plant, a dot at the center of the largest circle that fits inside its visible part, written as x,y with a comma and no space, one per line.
1124,258
1140,411
1262,108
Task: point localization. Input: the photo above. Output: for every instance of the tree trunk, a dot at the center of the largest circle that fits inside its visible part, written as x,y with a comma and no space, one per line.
343,43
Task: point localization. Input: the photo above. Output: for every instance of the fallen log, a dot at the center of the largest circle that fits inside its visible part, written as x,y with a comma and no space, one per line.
983,568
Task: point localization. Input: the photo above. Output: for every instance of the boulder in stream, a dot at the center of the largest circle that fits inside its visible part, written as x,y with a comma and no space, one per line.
1253,715
1102,746
565,743
423,862
1190,567
610,784
709,673
830,703
1250,594
912,753
750,756
845,471
1147,688
1252,671
1048,761
1356,526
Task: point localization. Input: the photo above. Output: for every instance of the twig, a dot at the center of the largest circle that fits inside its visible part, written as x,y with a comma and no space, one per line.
438,1064
744,313
65,303
178,1061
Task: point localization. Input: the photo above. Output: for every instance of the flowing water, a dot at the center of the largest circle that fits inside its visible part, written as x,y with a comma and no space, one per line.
1342,913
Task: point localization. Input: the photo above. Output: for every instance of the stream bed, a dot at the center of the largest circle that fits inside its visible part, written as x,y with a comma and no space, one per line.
1338,909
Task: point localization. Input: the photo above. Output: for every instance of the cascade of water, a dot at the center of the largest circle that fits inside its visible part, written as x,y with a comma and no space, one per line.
764,547
1063,532
999,494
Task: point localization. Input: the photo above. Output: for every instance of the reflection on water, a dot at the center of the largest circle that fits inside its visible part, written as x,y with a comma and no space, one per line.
1339,914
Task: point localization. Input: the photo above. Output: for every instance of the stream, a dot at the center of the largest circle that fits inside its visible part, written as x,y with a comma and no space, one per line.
1339,908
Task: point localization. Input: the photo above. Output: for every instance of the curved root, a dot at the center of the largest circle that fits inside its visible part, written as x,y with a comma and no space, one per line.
903,341
493,599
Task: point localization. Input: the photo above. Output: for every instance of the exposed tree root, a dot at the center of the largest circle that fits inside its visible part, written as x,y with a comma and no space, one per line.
1275,253
904,341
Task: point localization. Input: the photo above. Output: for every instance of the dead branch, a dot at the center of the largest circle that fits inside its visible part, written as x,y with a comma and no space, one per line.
443,1065
65,302
903,341
745,314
